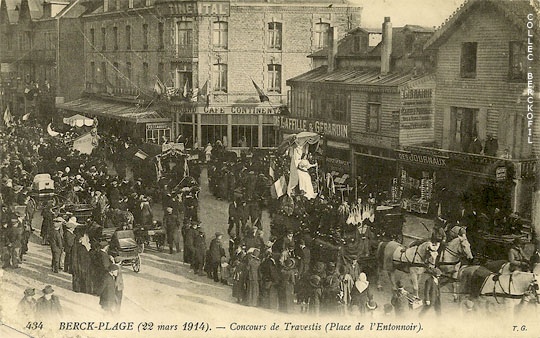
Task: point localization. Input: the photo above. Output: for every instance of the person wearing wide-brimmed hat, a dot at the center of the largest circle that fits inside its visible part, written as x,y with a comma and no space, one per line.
216,252
48,306
172,226
399,301
331,289
26,308
289,276
47,224
432,292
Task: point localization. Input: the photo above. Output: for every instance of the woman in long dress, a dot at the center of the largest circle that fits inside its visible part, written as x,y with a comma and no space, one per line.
304,179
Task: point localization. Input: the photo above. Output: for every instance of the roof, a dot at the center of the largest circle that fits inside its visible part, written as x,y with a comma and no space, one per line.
114,110
401,42
351,76
515,10
36,8
12,8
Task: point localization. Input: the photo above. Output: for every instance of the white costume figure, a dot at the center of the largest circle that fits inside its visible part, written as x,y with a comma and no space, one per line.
304,180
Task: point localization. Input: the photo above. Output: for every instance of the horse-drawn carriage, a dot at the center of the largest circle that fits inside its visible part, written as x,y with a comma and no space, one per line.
43,191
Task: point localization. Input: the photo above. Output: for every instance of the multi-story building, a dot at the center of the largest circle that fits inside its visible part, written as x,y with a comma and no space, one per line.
216,48
369,94
41,53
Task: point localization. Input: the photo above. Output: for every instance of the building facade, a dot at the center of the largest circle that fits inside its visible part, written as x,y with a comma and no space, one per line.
41,54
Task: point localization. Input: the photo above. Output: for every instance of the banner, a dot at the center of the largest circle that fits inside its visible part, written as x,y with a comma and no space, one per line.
171,145
84,144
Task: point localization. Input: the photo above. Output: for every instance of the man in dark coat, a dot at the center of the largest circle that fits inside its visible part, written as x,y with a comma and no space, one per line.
400,300
234,218
199,250
432,293
69,241
253,240
81,264
304,255
331,289
48,306
271,280
47,224
216,253
188,233
107,296
172,225
14,243
114,195
27,306
57,244
255,213
102,265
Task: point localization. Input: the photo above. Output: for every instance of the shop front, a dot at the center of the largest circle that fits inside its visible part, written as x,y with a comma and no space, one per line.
433,181
122,119
237,126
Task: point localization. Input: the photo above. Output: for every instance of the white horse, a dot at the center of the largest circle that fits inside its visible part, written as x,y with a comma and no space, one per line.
392,256
451,259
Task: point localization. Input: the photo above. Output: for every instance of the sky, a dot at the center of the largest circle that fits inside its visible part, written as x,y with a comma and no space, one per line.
427,13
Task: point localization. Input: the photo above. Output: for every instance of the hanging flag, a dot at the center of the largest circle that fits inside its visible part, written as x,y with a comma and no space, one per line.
52,132
8,119
279,188
194,95
185,92
141,154
262,95
25,117
271,170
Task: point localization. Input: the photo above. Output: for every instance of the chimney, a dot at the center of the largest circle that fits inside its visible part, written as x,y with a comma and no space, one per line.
47,9
386,50
332,48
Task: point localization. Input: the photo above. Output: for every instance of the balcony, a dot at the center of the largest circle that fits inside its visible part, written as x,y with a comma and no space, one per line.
183,52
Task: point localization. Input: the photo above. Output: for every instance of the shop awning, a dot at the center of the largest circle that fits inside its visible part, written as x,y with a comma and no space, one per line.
115,110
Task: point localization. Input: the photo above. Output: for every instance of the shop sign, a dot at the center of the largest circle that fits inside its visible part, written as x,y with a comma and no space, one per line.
241,109
171,145
417,94
153,126
196,8
375,140
421,158
416,118
338,164
501,174
320,127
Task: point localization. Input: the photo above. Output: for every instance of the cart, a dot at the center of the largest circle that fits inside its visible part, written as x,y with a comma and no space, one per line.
124,246
43,191
144,235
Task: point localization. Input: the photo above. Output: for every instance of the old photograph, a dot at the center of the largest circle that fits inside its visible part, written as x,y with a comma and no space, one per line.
269,168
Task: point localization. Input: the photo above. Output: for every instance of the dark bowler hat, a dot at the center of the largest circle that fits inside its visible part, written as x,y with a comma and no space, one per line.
30,292
48,290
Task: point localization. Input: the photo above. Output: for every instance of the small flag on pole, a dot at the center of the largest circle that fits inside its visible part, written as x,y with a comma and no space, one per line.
271,171
262,96
8,119
25,117
141,154
279,188
185,92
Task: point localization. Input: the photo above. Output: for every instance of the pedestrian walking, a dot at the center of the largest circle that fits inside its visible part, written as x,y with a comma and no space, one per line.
432,293
253,277
172,226
361,294
216,253
69,242
289,276
118,283
57,243
107,295
399,301
199,250
14,243
26,308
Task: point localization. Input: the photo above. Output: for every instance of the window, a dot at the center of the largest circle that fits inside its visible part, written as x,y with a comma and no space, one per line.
468,60
161,71
116,74
130,3
245,136
339,108
274,78
144,74
92,37
92,72
157,135
145,36
104,72
269,136
357,43
518,60
220,77
373,117
160,36
274,35
220,38
184,33
463,128
115,38
128,73
321,34
103,38
128,37
212,133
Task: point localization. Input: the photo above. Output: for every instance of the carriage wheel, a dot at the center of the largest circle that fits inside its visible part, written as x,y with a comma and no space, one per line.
137,264
159,245
32,204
